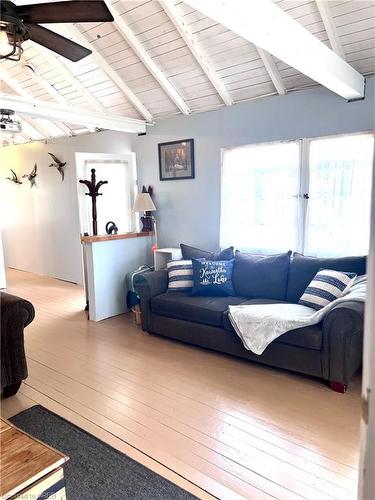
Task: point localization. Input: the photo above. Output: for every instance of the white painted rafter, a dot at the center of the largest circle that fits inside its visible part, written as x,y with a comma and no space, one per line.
107,68
48,87
52,91
147,60
186,34
36,126
65,72
14,84
42,109
330,27
272,70
267,26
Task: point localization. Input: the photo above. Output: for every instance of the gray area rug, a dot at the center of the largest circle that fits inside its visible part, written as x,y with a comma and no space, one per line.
95,471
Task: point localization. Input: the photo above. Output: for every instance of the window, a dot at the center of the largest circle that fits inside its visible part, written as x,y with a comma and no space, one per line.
118,195
338,215
311,196
259,208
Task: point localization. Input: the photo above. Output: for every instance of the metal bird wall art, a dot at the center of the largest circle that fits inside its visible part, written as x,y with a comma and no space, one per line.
58,164
31,176
14,177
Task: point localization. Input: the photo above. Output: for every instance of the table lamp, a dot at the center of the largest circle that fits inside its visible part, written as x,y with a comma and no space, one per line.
144,203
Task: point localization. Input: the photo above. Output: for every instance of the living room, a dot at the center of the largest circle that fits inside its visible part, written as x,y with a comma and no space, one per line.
187,258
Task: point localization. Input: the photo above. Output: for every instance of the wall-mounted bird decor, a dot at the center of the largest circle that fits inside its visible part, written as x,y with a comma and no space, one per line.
14,177
31,176
93,188
58,164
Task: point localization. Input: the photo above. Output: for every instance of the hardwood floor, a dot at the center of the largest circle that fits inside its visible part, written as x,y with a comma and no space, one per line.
215,425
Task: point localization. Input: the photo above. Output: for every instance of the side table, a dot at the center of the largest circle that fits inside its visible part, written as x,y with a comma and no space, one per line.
163,255
29,468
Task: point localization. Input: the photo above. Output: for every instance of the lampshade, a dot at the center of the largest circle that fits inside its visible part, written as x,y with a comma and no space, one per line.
143,203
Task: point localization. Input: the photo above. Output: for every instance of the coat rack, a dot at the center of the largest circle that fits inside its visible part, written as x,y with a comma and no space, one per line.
93,188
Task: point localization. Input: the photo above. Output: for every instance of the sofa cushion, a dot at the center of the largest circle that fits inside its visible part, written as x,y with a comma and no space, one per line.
261,276
302,270
206,310
189,252
309,337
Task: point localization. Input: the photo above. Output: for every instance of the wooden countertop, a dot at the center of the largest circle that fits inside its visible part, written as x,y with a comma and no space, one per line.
110,237
24,459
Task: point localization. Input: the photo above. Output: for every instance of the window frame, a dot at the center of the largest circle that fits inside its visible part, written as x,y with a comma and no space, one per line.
304,144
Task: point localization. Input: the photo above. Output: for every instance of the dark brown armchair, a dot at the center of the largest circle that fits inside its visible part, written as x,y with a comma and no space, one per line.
16,314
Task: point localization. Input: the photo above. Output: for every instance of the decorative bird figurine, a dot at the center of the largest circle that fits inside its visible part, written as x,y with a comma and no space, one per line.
58,164
31,176
14,177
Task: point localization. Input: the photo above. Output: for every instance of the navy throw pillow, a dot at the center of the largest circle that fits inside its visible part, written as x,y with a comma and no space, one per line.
189,252
212,277
261,276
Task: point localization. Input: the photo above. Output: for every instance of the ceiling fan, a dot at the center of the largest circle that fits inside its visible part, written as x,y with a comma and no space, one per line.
20,23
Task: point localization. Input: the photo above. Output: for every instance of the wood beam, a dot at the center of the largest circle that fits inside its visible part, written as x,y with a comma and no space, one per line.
52,91
55,112
272,70
186,34
65,72
41,130
111,73
267,26
143,55
48,87
15,85
330,27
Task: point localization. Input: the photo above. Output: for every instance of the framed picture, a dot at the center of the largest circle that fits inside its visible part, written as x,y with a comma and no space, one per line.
176,160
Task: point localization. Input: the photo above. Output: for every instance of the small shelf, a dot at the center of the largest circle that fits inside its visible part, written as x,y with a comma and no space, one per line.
110,237
163,255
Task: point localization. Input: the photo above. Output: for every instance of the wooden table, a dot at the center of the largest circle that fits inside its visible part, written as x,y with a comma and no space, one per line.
29,468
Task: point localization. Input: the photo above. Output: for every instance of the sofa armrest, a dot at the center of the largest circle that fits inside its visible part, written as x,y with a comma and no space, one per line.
16,314
148,285
343,341
11,303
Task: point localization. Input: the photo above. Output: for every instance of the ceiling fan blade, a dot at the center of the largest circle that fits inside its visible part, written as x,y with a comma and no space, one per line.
8,7
75,11
57,43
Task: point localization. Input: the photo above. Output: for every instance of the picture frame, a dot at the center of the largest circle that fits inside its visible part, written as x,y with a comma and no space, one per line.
176,160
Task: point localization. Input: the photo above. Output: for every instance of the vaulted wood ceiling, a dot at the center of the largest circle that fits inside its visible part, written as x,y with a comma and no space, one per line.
159,60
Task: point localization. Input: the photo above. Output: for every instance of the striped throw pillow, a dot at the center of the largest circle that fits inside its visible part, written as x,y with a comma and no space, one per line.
180,276
326,286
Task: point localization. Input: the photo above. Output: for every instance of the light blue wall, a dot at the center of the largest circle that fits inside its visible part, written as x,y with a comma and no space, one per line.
189,210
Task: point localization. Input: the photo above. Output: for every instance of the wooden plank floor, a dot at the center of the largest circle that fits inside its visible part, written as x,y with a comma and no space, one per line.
215,425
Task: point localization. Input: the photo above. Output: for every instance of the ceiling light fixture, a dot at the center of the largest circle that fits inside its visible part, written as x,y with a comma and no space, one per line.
12,34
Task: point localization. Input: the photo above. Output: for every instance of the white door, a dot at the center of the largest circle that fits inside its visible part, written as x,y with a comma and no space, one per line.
2,267
367,461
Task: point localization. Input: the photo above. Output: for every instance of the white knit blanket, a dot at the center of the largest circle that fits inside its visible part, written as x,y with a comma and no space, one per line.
258,325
